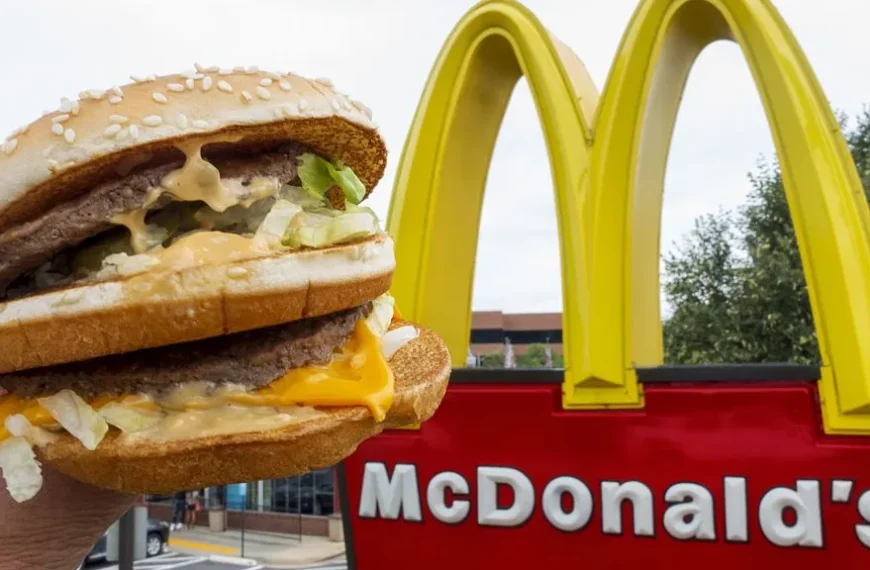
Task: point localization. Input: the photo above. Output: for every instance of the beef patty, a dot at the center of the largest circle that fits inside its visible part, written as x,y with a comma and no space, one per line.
253,358
28,245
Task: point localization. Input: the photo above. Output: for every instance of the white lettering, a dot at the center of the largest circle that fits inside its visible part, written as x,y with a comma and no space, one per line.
698,509
456,512
736,522
389,496
488,513
806,502
580,513
612,496
863,530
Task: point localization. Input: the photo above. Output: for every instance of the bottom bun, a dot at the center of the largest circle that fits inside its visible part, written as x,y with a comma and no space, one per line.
421,369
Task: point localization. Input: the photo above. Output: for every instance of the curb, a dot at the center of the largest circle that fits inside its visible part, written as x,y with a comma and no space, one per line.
236,560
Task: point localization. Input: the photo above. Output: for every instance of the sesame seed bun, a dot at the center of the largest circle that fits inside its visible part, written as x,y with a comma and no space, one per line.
421,369
146,310
64,153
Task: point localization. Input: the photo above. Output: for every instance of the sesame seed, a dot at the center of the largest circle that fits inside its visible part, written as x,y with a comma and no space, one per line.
303,103
152,120
266,81
252,70
285,85
47,151
278,112
112,130
117,91
65,105
246,97
224,86
76,107
177,87
225,71
68,163
192,74
200,124
19,131
60,118
83,95
69,135
212,69
150,78
263,93
272,75
325,81
190,82
120,119
137,79
114,99
198,67
57,128
52,165
159,97
239,68
291,109
134,132
181,120
96,93
122,134
9,146
206,83
237,272
336,105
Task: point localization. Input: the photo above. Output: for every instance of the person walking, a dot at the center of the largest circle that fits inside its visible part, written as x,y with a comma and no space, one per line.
193,507
178,504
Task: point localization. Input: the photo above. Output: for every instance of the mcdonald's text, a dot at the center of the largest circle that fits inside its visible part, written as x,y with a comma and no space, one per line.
787,515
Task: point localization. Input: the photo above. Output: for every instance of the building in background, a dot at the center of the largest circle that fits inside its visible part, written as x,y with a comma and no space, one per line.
302,505
512,334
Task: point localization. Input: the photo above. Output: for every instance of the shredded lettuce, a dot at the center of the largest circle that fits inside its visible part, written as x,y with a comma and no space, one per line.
307,199
20,426
319,175
127,418
20,469
277,221
381,315
397,338
76,417
315,230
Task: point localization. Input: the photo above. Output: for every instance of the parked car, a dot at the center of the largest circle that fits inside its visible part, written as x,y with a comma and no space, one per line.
156,541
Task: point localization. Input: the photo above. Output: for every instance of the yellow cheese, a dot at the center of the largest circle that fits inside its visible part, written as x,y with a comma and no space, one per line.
358,375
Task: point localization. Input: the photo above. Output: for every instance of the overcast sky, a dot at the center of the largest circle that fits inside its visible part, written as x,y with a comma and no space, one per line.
381,52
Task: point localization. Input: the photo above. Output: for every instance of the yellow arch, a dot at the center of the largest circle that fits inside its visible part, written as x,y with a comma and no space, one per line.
436,203
633,126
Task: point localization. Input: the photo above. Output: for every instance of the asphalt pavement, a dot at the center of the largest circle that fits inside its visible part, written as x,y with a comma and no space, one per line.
175,560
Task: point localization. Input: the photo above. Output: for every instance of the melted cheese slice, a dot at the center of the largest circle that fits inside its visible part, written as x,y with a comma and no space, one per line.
358,375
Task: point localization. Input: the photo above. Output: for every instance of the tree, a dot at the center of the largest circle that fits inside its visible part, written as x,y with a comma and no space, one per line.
492,360
736,283
536,357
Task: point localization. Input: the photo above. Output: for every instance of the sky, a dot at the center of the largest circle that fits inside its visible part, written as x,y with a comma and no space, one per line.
381,52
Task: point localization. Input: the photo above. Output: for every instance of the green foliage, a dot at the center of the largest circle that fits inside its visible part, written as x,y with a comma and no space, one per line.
536,357
492,360
736,283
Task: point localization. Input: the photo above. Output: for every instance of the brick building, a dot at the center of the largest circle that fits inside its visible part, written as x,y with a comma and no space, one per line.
489,329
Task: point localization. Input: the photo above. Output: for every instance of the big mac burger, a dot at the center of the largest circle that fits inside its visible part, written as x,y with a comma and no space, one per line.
191,291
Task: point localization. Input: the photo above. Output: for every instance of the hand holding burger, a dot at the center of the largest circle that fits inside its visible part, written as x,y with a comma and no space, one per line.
191,291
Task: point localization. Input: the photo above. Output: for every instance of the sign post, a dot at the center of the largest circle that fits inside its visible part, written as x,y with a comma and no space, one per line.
617,461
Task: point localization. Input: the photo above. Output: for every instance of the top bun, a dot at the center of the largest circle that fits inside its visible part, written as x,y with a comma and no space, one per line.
64,153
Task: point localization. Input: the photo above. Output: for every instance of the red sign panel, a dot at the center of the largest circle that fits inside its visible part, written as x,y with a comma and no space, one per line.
711,473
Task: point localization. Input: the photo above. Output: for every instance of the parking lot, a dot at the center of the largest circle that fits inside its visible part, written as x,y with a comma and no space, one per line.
174,560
